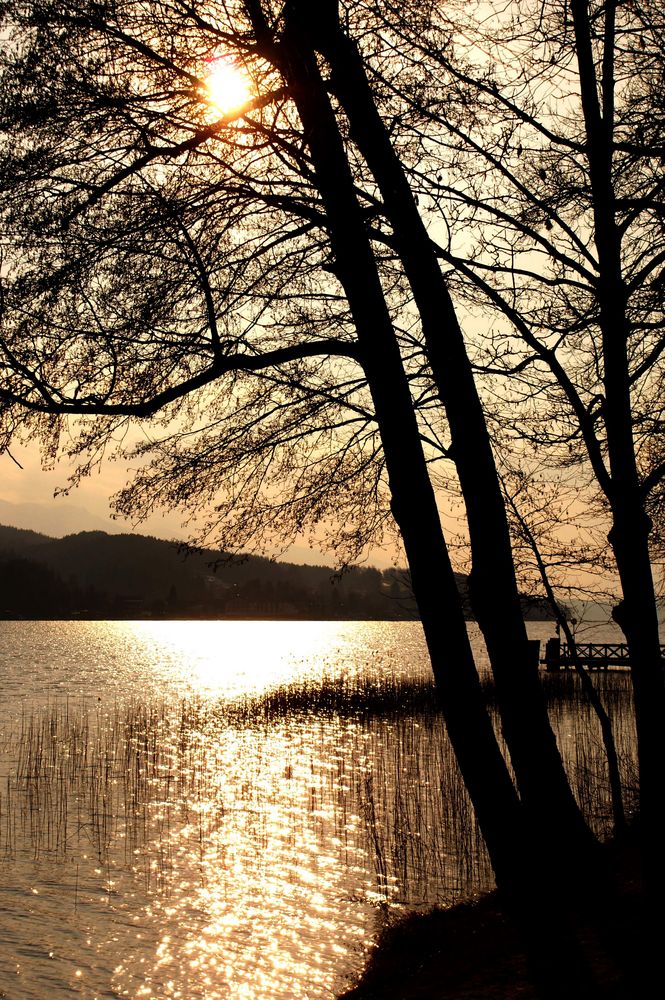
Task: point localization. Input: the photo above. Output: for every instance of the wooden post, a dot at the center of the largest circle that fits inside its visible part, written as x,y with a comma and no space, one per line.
534,652
553,654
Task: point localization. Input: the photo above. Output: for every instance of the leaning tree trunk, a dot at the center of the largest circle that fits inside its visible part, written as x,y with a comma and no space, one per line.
540,774
523,869
412,497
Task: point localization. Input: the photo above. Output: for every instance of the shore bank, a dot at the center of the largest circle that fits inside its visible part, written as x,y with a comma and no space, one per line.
472,951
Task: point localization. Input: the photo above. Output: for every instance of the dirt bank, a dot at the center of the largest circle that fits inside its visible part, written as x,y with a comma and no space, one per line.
473,951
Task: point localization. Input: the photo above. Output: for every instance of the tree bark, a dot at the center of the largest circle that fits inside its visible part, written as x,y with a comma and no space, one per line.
494,594
413,502
629,536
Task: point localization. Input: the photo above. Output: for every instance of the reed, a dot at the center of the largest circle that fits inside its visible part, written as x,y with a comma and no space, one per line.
130,782
342,695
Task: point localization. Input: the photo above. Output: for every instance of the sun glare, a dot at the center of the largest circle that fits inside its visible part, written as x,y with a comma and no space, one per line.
227,86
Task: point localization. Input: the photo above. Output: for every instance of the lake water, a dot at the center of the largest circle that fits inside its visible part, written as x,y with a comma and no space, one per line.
162,834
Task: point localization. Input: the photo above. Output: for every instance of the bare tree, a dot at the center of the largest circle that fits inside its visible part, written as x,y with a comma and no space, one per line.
543,130
258,289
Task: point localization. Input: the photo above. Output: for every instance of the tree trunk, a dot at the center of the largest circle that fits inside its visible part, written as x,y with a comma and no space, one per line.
525,872
638,618
629,537
413,502
494,594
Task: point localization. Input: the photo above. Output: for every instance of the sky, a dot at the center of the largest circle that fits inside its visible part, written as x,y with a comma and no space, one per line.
27,501
31,491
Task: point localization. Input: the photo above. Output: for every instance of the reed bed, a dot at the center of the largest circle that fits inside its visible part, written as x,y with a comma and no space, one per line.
83,776
127,783
352,695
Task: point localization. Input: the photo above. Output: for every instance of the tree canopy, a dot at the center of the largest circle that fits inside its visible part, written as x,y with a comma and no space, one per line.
151,241
162,260
259,302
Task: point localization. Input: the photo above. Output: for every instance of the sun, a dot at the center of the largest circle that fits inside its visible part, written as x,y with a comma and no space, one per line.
227,87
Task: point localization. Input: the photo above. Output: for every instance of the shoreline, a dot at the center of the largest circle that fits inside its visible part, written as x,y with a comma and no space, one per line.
472,950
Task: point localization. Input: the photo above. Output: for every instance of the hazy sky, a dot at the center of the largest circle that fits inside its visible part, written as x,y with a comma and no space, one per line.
32,485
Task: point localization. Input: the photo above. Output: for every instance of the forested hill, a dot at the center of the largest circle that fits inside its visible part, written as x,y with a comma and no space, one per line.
96,575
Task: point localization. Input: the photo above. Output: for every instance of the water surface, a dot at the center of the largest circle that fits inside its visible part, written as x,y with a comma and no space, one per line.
155,844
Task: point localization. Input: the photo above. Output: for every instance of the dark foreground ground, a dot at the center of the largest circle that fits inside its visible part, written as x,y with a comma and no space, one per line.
473,952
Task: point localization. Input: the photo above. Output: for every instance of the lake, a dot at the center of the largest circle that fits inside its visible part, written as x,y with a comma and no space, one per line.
209,809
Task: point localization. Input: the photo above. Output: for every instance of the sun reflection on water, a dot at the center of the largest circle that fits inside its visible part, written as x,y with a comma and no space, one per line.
175,853
170,828
236,658
259,902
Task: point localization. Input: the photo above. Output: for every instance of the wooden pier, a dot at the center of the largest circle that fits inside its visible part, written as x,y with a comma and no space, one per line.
592,655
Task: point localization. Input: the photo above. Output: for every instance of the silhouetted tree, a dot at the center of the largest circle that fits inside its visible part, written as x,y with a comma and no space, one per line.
550,142
248,281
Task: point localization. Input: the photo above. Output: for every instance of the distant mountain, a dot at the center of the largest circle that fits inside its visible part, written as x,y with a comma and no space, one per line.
19,539
96,575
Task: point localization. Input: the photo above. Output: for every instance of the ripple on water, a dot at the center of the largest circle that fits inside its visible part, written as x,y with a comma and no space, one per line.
161,852
153,846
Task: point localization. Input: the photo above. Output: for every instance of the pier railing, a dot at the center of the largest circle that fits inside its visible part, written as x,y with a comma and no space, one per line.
592,655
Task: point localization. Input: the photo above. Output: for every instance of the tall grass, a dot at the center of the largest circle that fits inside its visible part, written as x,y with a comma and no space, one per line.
120,781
